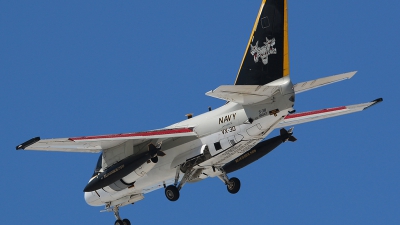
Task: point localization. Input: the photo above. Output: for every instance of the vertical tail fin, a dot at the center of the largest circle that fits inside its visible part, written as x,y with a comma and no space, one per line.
267,53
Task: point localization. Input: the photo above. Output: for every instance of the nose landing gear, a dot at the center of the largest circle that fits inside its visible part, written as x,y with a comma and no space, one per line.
119,221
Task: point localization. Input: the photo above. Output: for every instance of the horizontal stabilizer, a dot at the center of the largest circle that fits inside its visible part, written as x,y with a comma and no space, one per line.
244,94
309,85
310,116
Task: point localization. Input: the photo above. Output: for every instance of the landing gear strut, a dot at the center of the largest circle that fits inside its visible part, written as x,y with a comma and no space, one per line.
233,184
119,221
172,191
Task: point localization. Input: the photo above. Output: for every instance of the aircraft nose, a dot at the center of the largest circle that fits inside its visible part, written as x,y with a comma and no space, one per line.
92,199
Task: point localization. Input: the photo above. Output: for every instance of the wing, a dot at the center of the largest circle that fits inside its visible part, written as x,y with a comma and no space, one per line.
98,143
306,117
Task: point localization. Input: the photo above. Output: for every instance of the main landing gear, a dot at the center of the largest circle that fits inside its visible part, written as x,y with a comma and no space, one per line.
191,174
172,191
233,184
122,222
119,221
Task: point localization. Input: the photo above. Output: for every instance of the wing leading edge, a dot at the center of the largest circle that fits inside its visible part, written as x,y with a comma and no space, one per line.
305,117
94,144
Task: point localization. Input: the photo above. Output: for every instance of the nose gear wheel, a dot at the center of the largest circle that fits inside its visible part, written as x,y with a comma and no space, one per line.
119,221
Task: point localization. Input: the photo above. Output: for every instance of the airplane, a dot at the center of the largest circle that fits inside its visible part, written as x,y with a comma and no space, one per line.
214,143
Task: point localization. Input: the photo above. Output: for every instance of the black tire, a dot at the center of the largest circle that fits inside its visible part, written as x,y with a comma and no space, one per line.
126,222
154,159
172,193
233,186
119,222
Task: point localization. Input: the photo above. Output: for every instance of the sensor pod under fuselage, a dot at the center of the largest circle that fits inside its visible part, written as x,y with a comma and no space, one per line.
258,151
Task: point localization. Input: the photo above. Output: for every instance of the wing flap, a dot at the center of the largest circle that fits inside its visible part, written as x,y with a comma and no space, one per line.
305,117
94,144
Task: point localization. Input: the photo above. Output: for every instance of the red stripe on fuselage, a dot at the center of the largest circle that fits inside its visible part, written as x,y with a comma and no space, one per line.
146,133
314,112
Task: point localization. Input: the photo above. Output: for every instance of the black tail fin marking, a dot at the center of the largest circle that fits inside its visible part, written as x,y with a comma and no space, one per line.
267,53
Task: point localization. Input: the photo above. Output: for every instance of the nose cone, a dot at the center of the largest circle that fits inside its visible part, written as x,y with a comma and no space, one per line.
92,199
92,185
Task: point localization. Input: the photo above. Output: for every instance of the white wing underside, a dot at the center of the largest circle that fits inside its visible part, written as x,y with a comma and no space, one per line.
243,94
94,144
305,117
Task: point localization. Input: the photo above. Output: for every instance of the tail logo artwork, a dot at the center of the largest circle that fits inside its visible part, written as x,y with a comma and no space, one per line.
264,51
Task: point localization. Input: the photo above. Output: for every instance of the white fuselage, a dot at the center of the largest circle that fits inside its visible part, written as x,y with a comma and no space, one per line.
237,128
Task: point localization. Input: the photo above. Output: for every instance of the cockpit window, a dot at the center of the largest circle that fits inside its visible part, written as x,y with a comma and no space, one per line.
98,165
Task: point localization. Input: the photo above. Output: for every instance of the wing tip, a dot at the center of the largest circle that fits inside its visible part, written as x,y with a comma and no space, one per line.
374,102
27,143
352,74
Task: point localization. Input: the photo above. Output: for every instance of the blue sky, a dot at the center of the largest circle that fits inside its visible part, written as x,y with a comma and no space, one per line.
72,68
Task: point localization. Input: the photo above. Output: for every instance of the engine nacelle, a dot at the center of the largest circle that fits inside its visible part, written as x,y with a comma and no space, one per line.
130,179
125,172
